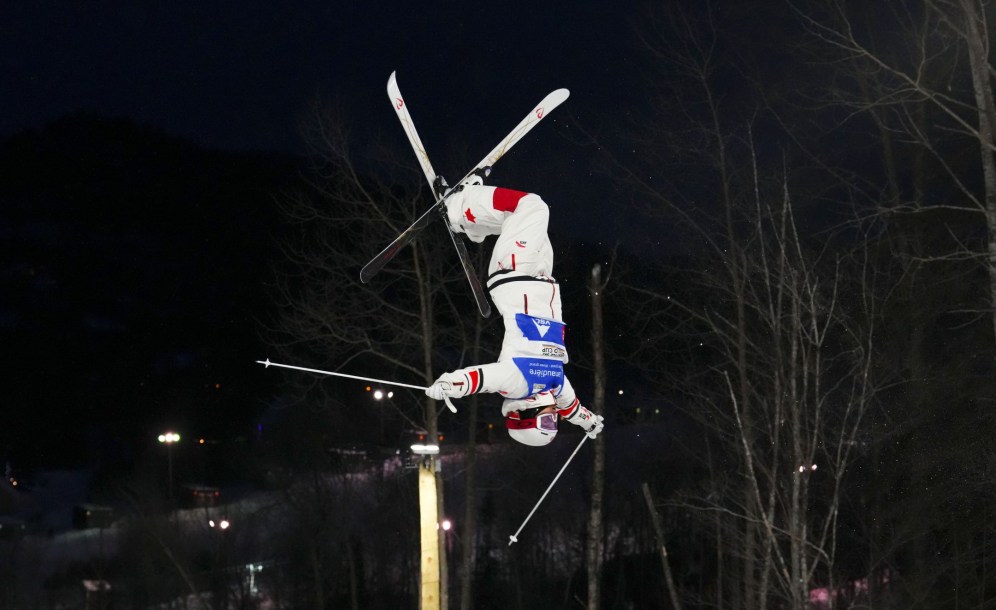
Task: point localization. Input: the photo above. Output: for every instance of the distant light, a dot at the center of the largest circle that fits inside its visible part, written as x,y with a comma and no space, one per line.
419,449
200,441
390,394
378,394
169,437
445,524
620,392
223,524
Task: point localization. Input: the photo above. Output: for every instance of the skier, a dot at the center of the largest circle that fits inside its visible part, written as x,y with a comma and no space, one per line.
529,373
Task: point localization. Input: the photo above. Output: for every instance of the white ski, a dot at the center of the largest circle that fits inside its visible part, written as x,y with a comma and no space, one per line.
394,94
538,113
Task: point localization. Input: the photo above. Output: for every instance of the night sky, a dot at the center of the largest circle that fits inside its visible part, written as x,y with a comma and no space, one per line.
240,75
144,313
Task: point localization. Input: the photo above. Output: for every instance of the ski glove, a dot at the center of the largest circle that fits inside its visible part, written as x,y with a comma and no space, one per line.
451,385
588,421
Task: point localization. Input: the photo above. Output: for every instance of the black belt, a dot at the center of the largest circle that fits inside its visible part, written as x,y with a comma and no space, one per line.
516,278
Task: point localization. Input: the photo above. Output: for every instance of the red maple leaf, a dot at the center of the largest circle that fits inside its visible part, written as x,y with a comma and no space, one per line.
470,217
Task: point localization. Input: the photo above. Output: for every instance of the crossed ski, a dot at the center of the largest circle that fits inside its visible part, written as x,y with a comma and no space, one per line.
548,103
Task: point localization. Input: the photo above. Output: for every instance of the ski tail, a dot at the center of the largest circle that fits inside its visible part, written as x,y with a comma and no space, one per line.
384,256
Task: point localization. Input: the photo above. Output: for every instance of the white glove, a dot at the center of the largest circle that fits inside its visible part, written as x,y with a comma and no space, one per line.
452,385
596,427
588,421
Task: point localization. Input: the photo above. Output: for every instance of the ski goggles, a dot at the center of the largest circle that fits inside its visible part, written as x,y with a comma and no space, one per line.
543,421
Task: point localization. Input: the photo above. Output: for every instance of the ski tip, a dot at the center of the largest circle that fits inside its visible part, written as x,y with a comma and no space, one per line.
557,97
392,78
551,101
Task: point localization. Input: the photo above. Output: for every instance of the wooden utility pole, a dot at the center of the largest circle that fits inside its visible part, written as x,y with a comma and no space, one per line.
428,521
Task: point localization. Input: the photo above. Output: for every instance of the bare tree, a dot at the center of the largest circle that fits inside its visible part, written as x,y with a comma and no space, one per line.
925,81
920,72
800,360
774,361
395,323
398,325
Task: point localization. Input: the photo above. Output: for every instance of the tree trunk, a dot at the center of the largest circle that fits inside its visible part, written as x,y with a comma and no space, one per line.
468,550
354,582
593,548
317,575
659,534
468,529
977,40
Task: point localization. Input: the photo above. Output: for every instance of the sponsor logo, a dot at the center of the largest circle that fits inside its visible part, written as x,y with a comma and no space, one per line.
553,351
470,217
542,326
521,243
541,373
540,112
398,103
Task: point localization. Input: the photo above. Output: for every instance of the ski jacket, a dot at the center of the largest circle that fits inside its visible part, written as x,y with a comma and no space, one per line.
523,290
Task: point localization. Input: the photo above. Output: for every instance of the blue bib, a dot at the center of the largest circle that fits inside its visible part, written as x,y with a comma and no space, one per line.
541,374
540,329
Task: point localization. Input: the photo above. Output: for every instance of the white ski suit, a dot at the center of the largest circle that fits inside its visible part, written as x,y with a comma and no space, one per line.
522,287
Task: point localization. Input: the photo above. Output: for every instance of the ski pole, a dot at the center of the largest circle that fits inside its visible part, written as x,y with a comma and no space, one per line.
268,364
513,538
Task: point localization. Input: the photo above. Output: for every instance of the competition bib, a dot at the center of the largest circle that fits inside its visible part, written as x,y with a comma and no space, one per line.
541,374
541,329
